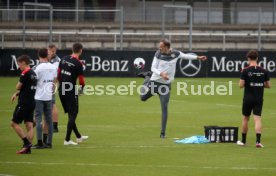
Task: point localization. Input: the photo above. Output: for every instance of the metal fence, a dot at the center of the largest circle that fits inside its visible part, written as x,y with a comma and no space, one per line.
151,15
138,41
40,14
109,25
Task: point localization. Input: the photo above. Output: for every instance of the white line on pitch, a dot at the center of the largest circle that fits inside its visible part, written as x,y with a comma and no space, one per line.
127,147
141,146
4,128
223,82
139,166
228,105
179,100
2,110
173,112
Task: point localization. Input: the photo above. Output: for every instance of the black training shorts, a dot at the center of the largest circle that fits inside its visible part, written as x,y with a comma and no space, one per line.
23,113
70,103
249,106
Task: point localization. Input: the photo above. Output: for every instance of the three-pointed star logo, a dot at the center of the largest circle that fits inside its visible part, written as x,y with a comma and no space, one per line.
189,67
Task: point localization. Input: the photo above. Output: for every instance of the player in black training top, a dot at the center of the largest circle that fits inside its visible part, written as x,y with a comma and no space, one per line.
25,90
71,68
253,79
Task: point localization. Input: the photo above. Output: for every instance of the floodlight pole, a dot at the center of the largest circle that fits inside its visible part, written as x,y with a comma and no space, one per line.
8,7
144,11
260,29
121,26
35,12
274,6
209,9
190,8
24,27
50,19
163,21
77,12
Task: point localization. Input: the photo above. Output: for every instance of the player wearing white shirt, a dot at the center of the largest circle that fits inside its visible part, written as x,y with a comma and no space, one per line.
166,64
46,78
163,72
54,59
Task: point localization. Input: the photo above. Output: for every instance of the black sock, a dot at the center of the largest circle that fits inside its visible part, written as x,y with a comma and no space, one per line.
244,138
258,137
26,141
39,142
55,125
45,138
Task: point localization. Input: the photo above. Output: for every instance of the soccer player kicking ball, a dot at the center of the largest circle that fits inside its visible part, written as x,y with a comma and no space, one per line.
253,79
71,68
163,72
25,90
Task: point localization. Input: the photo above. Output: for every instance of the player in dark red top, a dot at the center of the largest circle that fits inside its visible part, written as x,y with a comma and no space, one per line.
253,79
70,69
25,90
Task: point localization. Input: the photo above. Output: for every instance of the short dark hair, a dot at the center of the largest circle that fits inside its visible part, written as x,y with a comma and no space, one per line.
252,55
24,58
42,52
77,47
166,42
51,46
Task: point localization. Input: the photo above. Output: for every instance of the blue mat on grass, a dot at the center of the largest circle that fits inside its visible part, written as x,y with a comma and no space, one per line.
193,140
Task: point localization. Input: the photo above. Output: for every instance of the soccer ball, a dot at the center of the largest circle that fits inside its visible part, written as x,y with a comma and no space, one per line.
139,63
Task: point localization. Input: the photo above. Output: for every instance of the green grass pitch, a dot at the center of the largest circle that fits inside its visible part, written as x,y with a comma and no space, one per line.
124,136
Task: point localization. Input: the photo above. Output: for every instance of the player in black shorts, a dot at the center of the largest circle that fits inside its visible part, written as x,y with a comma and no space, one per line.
25,90
253,79
71,68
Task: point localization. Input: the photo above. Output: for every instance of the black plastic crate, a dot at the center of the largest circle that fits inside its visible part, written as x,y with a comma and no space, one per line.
221,134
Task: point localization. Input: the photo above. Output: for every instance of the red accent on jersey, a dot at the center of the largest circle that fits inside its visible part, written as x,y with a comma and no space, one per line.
251,66
25,71
76,58
81,81
58,74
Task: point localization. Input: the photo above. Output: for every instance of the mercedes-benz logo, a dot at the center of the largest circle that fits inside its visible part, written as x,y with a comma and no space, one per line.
191,68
